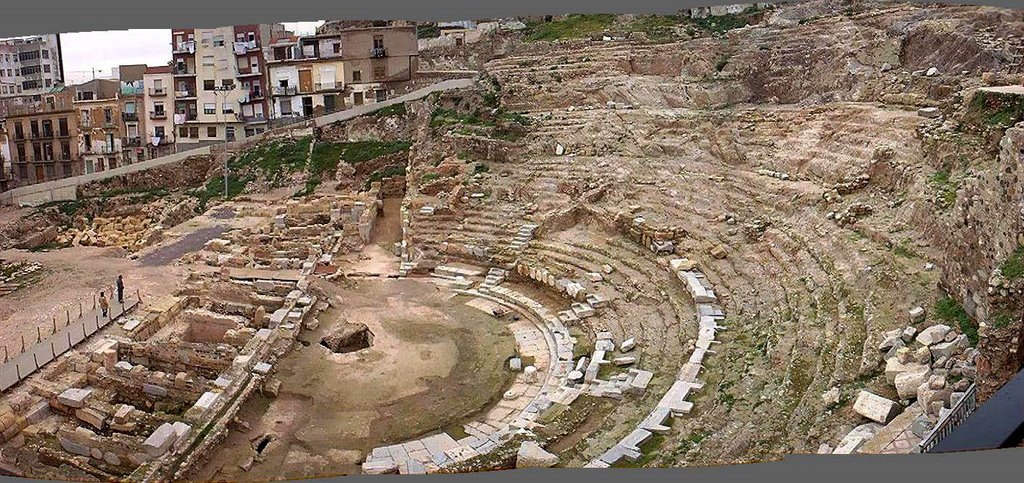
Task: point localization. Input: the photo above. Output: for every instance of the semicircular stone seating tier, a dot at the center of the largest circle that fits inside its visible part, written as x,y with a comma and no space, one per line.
674,403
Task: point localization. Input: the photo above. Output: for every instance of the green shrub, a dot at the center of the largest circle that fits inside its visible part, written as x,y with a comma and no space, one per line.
945,188
392,110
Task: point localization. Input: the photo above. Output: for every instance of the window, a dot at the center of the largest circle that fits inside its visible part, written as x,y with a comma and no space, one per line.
337,47
286,107
193,132
108,115
183,132
158,131
46,54
62,126
357,76
129,107
133,131
252,36
207,37
65,150
158,84
209,85
218,41
49,83
21,153
229,133
222,64
46,68
208,60
227,108
378,42
209,108
229,83
158,108
211,132
379,72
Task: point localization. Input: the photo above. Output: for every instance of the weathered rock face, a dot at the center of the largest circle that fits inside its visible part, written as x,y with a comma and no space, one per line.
348,338
985,228
531,455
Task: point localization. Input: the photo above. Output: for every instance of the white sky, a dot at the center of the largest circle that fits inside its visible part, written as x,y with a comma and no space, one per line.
85,51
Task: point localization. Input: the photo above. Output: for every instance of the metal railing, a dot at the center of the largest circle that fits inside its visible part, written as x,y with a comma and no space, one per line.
157,91
158,115
184,94
244,47
378,52
957,415
61,336
285,91
130,116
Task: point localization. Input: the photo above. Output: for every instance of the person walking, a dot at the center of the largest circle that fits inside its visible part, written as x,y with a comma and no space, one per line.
120,290
104,305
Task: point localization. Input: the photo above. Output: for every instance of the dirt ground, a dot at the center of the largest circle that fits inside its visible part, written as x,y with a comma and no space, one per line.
434,361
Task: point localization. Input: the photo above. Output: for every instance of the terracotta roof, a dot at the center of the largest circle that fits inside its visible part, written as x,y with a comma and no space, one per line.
162,69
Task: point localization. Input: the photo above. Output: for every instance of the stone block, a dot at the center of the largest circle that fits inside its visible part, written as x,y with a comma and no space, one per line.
933,334
160,440
74,397
875,407
532,455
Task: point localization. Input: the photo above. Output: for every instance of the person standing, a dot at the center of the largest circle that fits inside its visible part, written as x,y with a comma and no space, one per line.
120,290
104,305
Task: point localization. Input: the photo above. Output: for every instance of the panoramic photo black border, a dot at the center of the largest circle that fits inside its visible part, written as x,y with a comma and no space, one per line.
64,16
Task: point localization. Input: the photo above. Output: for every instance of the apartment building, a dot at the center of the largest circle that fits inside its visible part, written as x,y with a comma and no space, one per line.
308,75
159,102
30,65
100,124
220,80
42,137
340,67
131,101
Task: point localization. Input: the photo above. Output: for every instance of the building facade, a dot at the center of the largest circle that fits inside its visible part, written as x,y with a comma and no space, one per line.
30,65
220,83
131,102
339,68
159,102
308,75
100,123
43,138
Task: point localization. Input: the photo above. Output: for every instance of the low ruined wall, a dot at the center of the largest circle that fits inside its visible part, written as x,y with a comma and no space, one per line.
188,173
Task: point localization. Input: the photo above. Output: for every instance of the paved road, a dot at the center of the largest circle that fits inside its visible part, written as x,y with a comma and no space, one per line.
194,241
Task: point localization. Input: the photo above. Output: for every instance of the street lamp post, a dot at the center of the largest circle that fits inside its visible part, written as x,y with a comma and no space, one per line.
217,91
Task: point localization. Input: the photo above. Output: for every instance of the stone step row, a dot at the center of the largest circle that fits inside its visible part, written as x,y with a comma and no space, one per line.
674,403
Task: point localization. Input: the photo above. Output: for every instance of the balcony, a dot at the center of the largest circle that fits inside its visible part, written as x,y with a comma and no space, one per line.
378,52
242,48
108,124
285,91
184,94
247,72
160,140
130,116
254,118
157,91
132,142
183,117
184,70
158,115
328,86
99,149
187,47
252,96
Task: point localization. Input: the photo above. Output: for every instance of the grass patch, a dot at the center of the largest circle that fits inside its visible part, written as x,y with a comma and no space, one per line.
905,251
724,23
516,118
949,310
570,27
657,28
384,173
1001,321
1013,267
392,110
448,117
945,188
995,109
360,151
274,160
428,177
